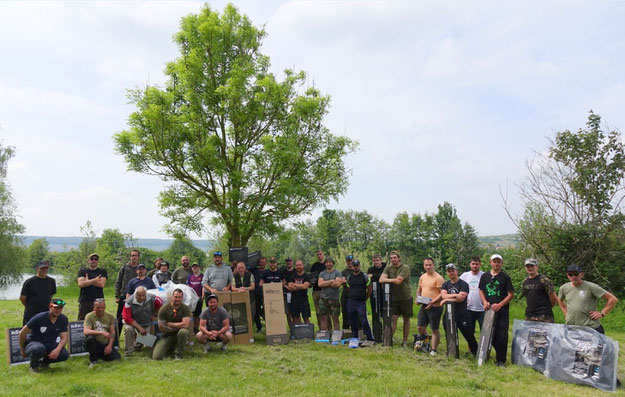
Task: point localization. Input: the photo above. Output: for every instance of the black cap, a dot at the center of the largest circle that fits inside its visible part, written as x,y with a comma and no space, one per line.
211,296
574,268
356,262
140,265
42,264
57,302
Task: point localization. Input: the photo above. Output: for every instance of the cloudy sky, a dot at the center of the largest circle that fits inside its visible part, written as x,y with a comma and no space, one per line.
448,99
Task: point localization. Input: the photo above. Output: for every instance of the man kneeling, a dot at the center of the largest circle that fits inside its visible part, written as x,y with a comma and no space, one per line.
173,321
99,329
214,325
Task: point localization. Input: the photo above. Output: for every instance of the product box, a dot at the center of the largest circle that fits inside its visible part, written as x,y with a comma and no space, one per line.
275,318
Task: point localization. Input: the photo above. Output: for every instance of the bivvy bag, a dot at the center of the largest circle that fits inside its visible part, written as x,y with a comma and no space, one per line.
568,353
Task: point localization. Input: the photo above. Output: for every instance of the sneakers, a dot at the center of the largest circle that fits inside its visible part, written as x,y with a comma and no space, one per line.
178,357
404,344
433,353
207,347
224,348
500,363
35,370
92,364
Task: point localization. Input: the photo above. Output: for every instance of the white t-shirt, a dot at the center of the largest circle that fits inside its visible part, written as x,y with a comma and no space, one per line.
474,303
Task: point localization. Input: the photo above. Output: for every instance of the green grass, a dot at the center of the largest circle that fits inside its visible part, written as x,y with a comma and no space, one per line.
300,368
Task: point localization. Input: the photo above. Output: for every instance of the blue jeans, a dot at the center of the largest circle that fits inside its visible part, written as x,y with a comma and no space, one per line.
38,353
357,310
472,318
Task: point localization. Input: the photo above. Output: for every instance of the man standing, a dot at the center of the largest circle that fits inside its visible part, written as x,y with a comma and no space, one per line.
374,272
161,276
99,328
173,321
214,325
456,290
578,300
496,291
157,266
398,275
91,281
181,274
330,281
257,272
44,337
139,312
218,276
475,309
349,259
359,290
315,269
37,292
142,280
430,285
298,284
273,274
195,281
287,271
539,294
126,273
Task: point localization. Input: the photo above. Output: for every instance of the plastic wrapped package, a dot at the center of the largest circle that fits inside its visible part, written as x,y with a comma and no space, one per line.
189,297
568,353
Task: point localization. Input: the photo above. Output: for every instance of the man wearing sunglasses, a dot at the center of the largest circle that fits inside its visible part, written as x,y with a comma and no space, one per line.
578,300
91,280
44,337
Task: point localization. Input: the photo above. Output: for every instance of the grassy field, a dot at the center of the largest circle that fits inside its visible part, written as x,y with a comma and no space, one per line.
301,368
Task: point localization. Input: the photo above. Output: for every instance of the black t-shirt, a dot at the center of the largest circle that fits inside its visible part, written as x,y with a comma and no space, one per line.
376,272
257,273
460,286
357,286
299,295
45,331
315,269
38,292
537,290
496,288
91,293
272,277
285,276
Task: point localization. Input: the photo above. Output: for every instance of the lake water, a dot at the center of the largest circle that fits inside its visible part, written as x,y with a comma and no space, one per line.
12,291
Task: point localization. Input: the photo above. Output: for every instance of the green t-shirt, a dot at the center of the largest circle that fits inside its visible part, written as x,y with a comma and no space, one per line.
100,324
167,314
580,301
403,291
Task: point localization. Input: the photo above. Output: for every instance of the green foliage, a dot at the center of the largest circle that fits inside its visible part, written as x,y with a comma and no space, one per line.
573,200
229,138
38,250
13,255
180,247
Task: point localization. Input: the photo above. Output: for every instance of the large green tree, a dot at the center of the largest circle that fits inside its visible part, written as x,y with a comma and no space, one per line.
229,138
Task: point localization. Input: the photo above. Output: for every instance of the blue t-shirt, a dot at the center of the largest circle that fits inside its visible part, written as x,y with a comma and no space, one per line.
135,282
45,331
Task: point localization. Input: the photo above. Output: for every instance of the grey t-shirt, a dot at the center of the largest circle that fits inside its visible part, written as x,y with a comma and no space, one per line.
214,322
330,292
217,277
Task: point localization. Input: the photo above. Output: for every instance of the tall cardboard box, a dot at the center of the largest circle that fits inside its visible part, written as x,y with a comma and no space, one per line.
275,318
237,304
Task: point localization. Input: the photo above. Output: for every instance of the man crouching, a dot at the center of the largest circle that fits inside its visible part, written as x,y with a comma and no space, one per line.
214,325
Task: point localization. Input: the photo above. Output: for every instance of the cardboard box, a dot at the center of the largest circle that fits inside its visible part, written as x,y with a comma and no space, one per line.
275,318
238,306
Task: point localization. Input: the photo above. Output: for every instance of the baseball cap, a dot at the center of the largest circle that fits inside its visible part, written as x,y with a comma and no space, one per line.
195,264
217,253
531,262
57,302
356,262
211,296
348,257
450,266
140,265
328,259
574,268
272,260
496,256
288,260
42,264
92,255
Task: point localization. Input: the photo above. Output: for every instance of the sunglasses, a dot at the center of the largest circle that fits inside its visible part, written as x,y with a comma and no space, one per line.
573,274
58,302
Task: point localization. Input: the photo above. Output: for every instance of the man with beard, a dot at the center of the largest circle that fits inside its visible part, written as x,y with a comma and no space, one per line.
91,281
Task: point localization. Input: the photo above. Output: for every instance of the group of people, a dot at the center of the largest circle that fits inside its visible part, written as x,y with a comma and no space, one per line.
139,313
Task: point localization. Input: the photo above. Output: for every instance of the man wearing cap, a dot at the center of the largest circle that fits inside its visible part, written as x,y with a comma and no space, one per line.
126,273
578,300
173,321
496,291
91,281
217,277
315,269
37,292
398,275
140,311
44,337
99,328
142,280
181,274
475,309
298,284
359,290
330,280
195,281
430,286
214,325
539,294
456,290
349,259
273,274
162,275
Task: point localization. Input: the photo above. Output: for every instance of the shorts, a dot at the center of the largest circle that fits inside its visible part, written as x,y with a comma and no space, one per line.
542,318
402,308
297,308
198,309
329,306
431,317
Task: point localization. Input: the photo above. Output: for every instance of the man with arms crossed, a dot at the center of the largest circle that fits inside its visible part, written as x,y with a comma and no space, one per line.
99,328
214,325
475,309
539,294
430,284
330,281
496,291
91,281
298,284
398,275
